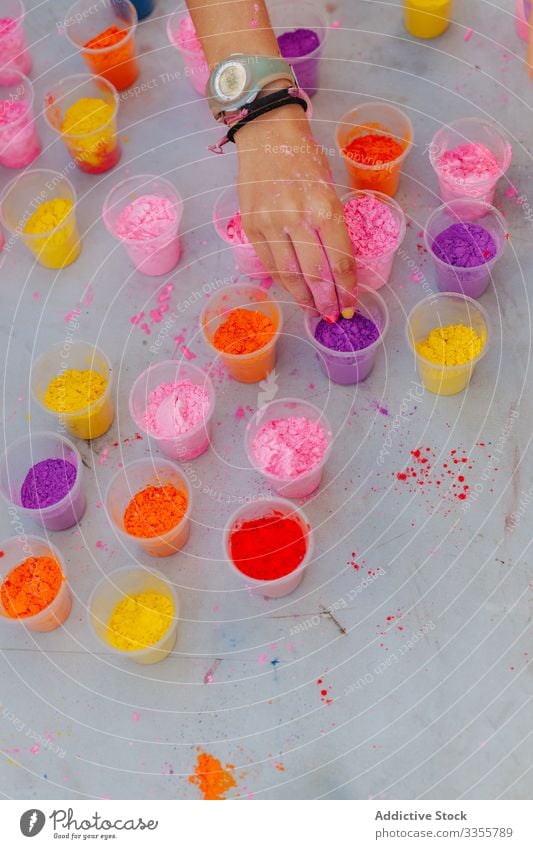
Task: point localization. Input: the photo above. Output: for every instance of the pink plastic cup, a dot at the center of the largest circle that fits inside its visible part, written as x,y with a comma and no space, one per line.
258,510
375,271
19,458
192,443
224,211
14,55
521,19
181,34
132,479
284,408
19,141
16,550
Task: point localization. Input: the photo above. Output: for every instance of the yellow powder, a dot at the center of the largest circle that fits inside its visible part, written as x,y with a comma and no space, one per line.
74,390
89,132
86,115
453,345
139,621
48,215
62,246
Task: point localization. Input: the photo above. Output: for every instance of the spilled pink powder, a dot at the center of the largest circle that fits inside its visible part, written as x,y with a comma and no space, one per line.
235,230
146,217
175,408
289,447
373,228
469,163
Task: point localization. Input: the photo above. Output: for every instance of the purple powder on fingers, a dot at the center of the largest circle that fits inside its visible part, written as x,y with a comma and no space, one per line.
465,245
347,334
298,42
47,483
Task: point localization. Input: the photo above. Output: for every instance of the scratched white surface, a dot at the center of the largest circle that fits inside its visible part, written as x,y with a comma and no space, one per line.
435,704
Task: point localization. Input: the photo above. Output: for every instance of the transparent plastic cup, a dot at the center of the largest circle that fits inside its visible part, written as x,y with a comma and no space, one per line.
58,247
470,131
287,17
372,118
427,18
225,208
132,580
261,509
157,255
374,271
21,456
246,368
88,423
15,551
440,311
192,54
130,480
521,21
98,150
19,140
14,54
284,408
349,367
86,20
192,443
452,278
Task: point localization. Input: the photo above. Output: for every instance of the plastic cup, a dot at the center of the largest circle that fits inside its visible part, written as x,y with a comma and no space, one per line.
15,551
14,55
440,311
58,247
192,54
225,208
521,20
374,271
470,131
93,421
19,458
19,141
284,408
246,368
185,446
98,150
287,17
375,118
261,509
86,19
160,254
132,580
132,479
349,367
452,278
427,18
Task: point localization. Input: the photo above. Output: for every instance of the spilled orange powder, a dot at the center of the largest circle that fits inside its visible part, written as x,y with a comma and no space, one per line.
211,778
243,332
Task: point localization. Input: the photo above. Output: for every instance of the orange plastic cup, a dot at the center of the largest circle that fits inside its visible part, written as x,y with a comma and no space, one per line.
384,120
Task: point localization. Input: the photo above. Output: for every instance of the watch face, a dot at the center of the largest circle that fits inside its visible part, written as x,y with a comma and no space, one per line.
231,81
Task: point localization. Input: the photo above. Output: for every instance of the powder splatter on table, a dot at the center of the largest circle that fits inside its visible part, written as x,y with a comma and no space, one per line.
465,245
450,477
47,482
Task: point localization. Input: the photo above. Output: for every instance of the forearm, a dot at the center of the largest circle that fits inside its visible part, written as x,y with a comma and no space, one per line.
233,26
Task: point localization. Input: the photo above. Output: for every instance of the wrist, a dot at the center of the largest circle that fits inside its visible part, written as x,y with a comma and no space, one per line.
284,119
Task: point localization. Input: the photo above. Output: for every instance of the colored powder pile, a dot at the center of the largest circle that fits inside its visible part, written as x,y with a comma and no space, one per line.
139,621
146,218
347,334
74,390
243,332
373,149
7,25
235,230
187,36
465,245
175,408
31,586
12,111
110,36
48,215
268,547
86,115
154,511
211,778
451,345
298,42
373,228
289,447
469,163
47,483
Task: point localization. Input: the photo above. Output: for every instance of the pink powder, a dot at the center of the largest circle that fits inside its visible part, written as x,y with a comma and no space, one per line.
373,228
175,408
235,230
145,218
12,110
287,448
469,163
19,142
13,51
187,37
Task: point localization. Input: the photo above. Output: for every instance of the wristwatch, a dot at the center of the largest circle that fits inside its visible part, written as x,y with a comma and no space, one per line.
236,82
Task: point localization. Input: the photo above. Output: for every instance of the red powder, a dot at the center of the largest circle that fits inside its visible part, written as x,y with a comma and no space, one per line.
269,547
373,149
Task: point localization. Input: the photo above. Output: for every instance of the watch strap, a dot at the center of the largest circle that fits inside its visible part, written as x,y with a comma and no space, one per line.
268,69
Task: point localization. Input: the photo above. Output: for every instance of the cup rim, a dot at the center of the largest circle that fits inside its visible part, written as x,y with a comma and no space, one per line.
389,201
85,78
271,503
24,620
474,304
22,176
25,80
94,50
106,206
475,121
218,230
460,202
346,119
86,410
329,352
132,568
174,16
323,34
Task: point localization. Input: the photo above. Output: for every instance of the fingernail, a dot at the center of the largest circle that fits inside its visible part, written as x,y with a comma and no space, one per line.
348,312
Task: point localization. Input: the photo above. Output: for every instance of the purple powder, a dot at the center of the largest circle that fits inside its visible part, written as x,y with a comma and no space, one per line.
465,245
347,334
298,42
47,483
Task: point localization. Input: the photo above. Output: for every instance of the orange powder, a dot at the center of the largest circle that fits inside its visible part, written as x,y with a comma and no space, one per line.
111,35
111,54
31,586
211,778
154,510
373,149
243,332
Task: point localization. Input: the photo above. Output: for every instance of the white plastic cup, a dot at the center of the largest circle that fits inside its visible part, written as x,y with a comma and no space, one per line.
185,446
20,143
284,408
287,17
246,259
16,550
21,456
194,60
132,580
262,509
375,271
133,478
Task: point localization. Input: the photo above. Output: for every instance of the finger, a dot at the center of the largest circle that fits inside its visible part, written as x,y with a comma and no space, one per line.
288,271
339,252
263,251
315,270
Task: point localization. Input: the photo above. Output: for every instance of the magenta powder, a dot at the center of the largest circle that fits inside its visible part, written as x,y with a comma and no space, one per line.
235,230
298,42
287,448
47,483
465,245
373,228
347,334
175,408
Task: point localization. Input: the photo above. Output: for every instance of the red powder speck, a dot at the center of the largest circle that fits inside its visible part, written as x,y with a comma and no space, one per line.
401,476
416,452
323,692
319,681
461,478
462,496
